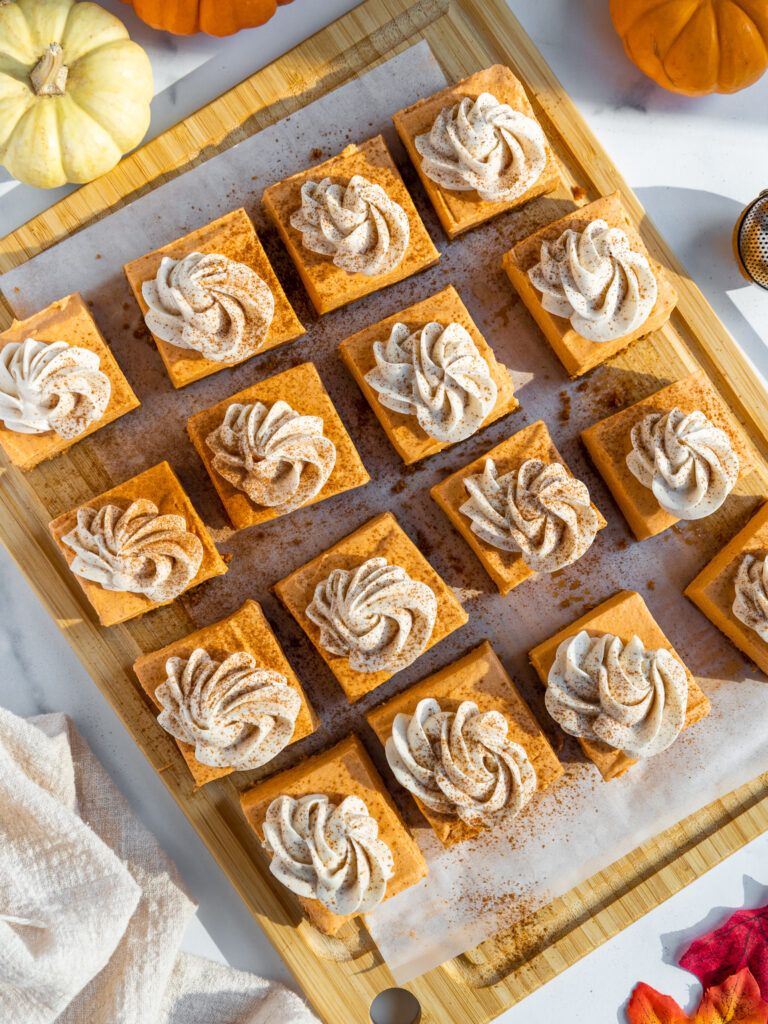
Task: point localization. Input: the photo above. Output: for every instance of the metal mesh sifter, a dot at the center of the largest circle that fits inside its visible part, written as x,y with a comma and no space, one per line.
750,241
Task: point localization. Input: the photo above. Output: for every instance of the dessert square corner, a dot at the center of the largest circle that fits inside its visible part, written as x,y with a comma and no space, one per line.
507,569
405,434
338,772
329,286
459,211
161,486
608,443
380,537
246,630
712,590
625,615
69,320
302,388
234,236
479,677
578,354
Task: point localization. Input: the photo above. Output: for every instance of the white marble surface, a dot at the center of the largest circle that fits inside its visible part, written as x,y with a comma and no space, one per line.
694,164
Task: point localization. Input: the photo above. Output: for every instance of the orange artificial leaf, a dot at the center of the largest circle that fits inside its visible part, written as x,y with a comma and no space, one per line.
647,1006
736,1001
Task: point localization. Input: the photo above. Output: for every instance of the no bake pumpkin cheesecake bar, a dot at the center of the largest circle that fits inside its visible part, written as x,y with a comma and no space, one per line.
310,819
429,375
478,148
675,455
211,299
615,682
350,225
59,382
465,744
228,695
275,447
137,546
520,508
590,284
732,591
371,604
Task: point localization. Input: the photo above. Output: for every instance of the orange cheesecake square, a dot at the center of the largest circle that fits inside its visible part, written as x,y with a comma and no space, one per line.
507,569
246,630
481,678
303,390
161,486
380,537
713,589
624,615
330,286
578,354
68,320
609,442
341,771
460,210
405,433
233,236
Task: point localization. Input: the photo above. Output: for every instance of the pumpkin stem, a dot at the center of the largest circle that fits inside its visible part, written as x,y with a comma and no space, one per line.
49,75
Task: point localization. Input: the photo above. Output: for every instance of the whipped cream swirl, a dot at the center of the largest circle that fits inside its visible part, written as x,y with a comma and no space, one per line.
594,279
461,763
750,605
375,615
280,459
539,510
686,461
328,852
437,374
138,550
51,386
486,146
357,224
235,713
626,696
211,304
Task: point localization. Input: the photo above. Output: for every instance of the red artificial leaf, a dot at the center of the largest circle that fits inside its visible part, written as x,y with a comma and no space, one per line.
736,1001
741,942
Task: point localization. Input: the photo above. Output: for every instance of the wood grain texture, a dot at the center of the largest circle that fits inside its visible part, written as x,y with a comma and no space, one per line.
341,976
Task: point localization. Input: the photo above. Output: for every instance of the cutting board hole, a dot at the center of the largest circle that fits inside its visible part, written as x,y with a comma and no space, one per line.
395,1006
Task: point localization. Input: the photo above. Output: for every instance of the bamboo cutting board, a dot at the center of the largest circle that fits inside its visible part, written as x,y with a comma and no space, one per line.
341,976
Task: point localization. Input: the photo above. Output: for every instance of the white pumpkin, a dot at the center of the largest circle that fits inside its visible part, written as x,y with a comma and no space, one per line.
74,91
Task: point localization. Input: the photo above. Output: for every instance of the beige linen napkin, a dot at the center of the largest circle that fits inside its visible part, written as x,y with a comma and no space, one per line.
92,912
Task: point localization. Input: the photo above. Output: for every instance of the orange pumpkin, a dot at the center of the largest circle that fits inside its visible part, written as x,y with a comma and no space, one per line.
216,17
695,47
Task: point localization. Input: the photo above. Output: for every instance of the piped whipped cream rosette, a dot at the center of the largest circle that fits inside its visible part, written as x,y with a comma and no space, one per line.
357,225
596,280
51,386
210,304
276,456
539,510
631,698
750,603
376,615
328,852
436,374
461,764
485,146
687,462
235,713
137,550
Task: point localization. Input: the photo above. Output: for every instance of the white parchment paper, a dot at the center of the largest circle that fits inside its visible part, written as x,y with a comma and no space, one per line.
581,824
